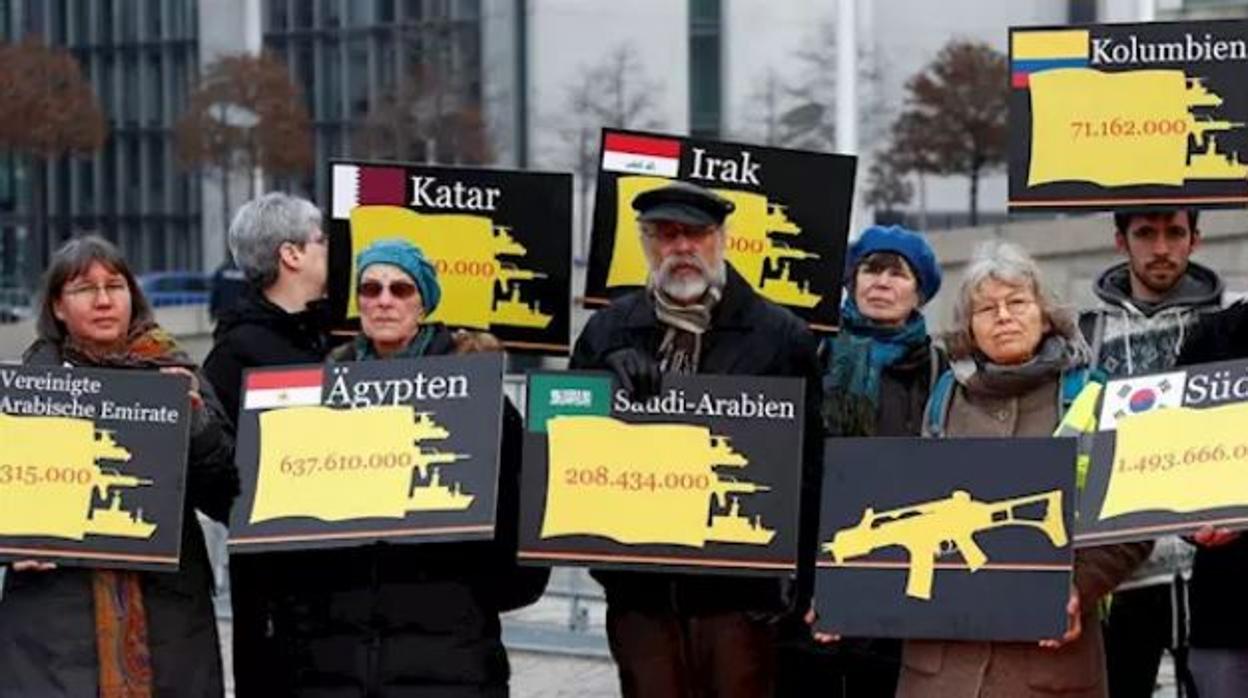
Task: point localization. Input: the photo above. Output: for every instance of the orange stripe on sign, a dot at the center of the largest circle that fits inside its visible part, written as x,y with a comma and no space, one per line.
642,145
304,378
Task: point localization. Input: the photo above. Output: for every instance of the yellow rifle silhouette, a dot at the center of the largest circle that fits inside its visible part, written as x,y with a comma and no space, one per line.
721,489
930,529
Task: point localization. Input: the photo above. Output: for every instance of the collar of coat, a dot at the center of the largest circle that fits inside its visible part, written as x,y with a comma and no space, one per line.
730,313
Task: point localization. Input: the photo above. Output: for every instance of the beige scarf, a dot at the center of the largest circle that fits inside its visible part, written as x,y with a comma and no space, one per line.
681,348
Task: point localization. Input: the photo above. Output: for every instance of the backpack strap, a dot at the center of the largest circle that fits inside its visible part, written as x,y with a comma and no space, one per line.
937,413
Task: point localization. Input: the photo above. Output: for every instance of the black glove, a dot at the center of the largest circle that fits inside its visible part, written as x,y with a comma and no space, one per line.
639,374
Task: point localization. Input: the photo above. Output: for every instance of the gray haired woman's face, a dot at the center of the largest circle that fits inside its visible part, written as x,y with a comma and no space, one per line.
1007,322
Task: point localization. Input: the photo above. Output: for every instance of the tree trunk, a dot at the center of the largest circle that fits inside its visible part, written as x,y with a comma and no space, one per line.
974,195
39,219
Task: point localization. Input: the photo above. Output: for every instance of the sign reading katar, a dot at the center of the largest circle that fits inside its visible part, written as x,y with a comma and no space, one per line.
786,235
705,476
501,242
351,453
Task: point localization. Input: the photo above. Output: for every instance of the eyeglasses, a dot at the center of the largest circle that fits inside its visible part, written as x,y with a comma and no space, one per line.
112,289
668,232
1014,307
402,290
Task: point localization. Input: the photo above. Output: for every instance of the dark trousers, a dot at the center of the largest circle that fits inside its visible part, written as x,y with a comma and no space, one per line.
1140,627
849,668
713,655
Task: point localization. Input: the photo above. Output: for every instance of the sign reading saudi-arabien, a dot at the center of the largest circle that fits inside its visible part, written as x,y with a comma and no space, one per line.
402,450
501,242
1171,455
1129,115
92,466
786,235
704,476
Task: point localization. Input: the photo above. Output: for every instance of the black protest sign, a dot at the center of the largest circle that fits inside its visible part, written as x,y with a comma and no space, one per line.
959,539
786,235
92,466
1171,456
343,454
501,242
705,476
1128,115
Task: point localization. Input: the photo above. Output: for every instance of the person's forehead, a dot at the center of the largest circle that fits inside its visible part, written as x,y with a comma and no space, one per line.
97,269
384,272
993,287
1155,221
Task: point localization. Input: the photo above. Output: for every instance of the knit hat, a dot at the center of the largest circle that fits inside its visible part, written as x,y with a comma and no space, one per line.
411,260
898,240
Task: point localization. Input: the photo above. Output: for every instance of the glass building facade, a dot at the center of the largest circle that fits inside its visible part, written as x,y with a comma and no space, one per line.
348,56
140,57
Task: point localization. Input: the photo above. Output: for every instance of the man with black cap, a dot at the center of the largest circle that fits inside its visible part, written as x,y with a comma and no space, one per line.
682,636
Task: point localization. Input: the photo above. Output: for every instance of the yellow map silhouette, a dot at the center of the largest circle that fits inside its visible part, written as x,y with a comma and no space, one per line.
1059,152
298,479
670,515
1177,486
929,530
75,505
768,264
479,289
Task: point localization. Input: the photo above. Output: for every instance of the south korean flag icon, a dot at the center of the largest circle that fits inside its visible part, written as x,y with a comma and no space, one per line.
1130,396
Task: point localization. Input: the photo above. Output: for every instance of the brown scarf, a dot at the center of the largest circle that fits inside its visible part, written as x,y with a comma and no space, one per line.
120,615
681,348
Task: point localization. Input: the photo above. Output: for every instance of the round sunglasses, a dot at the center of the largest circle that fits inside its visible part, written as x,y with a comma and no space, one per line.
401,290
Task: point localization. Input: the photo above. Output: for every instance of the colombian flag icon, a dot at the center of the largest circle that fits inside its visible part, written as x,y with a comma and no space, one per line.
1036,51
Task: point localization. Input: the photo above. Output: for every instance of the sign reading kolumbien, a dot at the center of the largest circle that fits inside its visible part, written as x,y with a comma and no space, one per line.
351,453
704,476
1171,455
1129,115
786,235
501,242
959,539
92,466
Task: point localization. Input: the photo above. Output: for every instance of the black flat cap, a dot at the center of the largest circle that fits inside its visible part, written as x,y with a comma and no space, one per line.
684,203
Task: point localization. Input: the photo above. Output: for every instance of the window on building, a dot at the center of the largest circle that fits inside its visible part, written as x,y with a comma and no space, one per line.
157,167
303,14
86,186
59,21
331,82
331,14
155,89
360,13
385,11
81,30
104,13
357,77
129,21
278,16
414,10
130,84
155,17
705,72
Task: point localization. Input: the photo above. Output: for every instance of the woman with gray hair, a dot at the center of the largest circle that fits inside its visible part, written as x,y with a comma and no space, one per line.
1016,353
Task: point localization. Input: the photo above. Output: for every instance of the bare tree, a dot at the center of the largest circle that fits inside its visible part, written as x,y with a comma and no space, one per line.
887,187
245,114
613,93
954,120
764,108
47,111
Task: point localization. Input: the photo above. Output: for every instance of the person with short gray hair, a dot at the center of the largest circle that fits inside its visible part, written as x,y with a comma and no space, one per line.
260,228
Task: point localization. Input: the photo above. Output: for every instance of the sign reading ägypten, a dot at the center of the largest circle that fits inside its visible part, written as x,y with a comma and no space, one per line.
1129,115
403,450
786,236
1171,456
501,242
704,476
959,539
92,466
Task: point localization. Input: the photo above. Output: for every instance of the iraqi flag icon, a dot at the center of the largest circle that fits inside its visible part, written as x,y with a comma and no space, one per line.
645,155
284,388
366,185
1130,396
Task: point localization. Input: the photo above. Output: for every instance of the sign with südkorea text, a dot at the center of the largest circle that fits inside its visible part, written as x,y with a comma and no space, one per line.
952,539
501,241
92,466
1171,456
1129,115
786,236
403,450
704,476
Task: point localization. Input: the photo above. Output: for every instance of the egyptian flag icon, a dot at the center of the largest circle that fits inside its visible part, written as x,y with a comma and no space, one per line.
283,388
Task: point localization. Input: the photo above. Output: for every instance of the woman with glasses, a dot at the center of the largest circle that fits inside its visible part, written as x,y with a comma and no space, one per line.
1015,356
113,633
406,619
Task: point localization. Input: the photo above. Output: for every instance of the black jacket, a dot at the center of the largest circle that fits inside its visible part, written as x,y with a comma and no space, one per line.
390,620
255,332
47,619
1219,606
749,335
904,389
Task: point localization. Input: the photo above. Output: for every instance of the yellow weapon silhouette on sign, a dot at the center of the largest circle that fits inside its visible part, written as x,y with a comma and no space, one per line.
931,529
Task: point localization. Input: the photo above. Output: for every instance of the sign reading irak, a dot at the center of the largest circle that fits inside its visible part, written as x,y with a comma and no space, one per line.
501,242
786,236
1121,115
92,466
704,476
351,453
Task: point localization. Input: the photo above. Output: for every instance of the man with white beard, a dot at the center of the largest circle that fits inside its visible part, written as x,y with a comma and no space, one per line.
680,636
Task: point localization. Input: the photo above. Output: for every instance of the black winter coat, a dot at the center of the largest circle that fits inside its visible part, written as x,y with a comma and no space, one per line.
390,620
749,335
904,389
47,619
1219,607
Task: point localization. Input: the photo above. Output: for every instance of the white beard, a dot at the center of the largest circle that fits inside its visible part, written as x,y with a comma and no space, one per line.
685,289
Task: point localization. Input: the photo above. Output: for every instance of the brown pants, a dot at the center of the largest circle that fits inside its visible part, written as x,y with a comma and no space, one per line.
667,655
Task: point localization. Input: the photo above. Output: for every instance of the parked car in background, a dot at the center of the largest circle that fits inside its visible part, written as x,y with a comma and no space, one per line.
165,288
